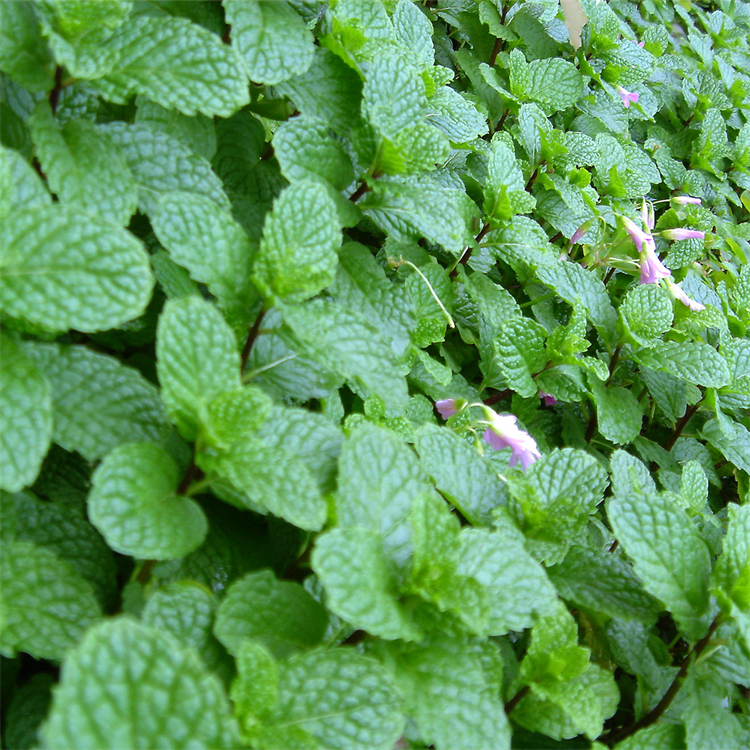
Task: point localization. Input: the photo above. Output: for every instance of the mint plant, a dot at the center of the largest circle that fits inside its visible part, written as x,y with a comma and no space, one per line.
375,374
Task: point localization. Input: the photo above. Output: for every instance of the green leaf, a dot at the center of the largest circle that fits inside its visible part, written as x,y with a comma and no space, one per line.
233,415
26,711
450,695
732,570
666,736
361,583
350,345
693,361
122,666
306,151
597,580
553,499
629,475
24,57
518,590
271,38
301,234
460,473
97,402
553,81
694,485
197,360
71,537
83,168
393,94
519,346
64,268
255,690
709,723
732,439
176,64
505,193
329,91
668,554
344,700
279,614
618,413
379,477
270,477
27,417
197,133
576,285
47,606
20,185
647,312
455,115
186,610
204,238
161,164
135,505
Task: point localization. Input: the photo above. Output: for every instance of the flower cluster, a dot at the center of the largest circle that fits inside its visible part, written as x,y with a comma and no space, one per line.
651,267
502,430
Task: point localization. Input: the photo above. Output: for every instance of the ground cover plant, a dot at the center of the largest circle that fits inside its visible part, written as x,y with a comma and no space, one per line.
374,374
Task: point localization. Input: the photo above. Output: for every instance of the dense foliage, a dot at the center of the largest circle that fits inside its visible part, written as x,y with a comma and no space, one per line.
375,374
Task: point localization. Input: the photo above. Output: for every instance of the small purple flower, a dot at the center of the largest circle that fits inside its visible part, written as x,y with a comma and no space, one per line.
627,96
684,200
652,268
637,234
548,400
683,234
641,44
504,433
447,407
581,231
679,293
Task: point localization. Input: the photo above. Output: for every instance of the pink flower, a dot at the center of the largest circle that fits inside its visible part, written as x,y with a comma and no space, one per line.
647,214
447,407
578,234
682,234
641,44
637,234
652,268
504,433
679,293
627,96
684,200
548,400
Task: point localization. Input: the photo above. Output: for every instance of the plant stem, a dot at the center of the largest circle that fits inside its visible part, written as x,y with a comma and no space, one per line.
680,426
499,396
251,336
359,192
191,473
658,710
464,259
613,362
516,699
54,95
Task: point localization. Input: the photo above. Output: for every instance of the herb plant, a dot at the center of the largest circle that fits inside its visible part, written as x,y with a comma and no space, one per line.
375,374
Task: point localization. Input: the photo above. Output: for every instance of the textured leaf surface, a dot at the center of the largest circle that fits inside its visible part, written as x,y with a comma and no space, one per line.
347,342
23,55
692,361
26,417
668,554
297,256
272,478
63,268
280,614
271,38
122,666
344,700
197,359
47,606
361,583
453,701
177,64
618,414
518,589
135,506
71,537
460,473
204,238
161,164
20,186
378,480
97,402
83,167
